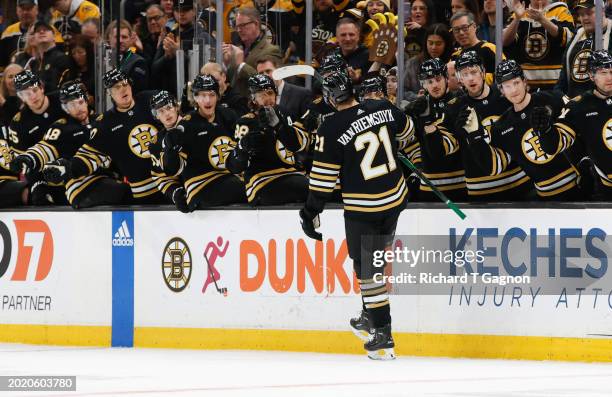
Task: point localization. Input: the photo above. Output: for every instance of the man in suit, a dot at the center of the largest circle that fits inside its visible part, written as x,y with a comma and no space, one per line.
292,100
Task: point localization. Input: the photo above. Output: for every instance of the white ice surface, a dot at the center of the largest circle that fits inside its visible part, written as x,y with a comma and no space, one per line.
164,372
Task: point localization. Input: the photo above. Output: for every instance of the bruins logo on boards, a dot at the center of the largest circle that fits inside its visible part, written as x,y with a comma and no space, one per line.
176,264
536,46
607,134
532,149
219,150
141,138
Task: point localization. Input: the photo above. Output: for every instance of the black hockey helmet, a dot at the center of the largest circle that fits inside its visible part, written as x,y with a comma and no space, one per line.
261,82
332,62
72,90
432,68
25,80
161,99
508,70
112,77
337,87
205,82
467,59
374,83
599,60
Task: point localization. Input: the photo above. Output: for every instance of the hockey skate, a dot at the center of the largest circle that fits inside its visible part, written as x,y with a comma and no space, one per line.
361,326
380,347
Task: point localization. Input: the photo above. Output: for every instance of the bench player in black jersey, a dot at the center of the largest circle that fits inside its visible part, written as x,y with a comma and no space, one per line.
513,138
512,184
165,108
264,153
62,140
586,121
442,167
358,144
199,148
27,128
124,134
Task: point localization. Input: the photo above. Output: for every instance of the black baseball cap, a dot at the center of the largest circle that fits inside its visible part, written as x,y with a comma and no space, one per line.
183,4
41,23
27,3
584,4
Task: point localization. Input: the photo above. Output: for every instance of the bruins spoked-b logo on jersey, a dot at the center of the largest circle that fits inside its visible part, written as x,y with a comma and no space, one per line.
141,137
532,149
580,71
219,150
176,264
5,155
286,156
607,134
537,46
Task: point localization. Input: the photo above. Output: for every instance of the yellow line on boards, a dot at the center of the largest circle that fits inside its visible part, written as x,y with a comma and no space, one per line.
407,344
66,335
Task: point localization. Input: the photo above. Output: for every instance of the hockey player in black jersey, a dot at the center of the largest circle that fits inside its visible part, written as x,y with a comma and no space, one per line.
373,87
124,134
62,140
165,108
264,153
513,137
586,122
27,128
358,145
512,184
442,167
200,147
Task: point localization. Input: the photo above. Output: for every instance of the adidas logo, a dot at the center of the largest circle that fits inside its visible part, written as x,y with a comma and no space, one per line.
360,112
123,238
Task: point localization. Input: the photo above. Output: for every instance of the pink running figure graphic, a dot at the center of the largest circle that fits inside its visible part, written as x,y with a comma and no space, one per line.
212,275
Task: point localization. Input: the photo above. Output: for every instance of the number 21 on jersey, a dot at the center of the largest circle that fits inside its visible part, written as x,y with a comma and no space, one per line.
371,143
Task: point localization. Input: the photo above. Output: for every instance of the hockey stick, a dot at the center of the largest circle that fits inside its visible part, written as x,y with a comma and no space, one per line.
449,203
222,291
293,70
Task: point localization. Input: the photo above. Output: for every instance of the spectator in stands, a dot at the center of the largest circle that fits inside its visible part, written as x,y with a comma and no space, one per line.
91,30
372,8
168,7
130,63
13,38
9,102
466,6
423,15
574,78
292,100
155,32
463,26
348,34
486,29
538,36
164,63
438,44
81,51
252,37
230,95
453,82
50,62
68,15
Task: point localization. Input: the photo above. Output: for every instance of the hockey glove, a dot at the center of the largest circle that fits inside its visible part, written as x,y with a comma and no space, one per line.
58,171
253,143
40,195
24,163
310,223
418,107
541,119
270,116
174,139
180,200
